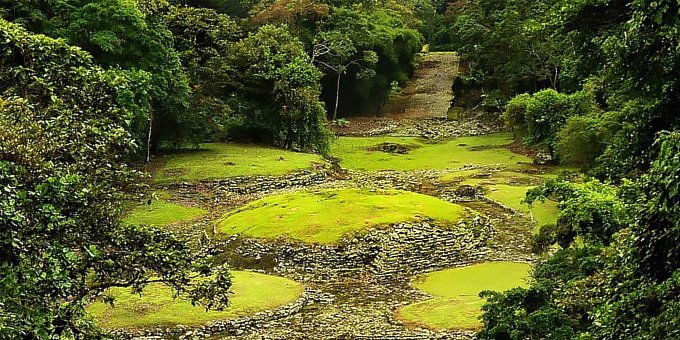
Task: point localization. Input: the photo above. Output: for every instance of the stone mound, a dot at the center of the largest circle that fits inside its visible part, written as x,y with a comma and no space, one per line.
394,148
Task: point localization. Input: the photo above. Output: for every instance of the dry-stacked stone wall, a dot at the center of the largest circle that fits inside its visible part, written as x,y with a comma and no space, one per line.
247,185
399,250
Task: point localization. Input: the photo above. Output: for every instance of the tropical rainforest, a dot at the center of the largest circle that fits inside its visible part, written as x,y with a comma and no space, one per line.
486,169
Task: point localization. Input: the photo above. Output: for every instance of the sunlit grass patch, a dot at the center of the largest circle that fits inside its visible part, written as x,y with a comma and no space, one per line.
508,188
161,212
505,176
456,303
253,292
462,175
512,196
359,153
325,216
224,160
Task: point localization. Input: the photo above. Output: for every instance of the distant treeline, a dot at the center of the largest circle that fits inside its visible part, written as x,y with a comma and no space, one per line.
267,71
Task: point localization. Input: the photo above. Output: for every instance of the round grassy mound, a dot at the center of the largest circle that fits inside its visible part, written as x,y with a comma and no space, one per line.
253,292
456,303
325,216
509,188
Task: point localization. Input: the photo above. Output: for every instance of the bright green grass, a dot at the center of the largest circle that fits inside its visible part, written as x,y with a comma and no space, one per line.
512,196
456,303
354,153
253,292
163,213
495,177
475,178
460,175
511,177
223,160
325,216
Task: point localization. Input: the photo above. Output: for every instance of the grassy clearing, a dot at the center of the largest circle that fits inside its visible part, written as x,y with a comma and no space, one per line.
459,176
513,175
325,216
512,196
359,153
456,303
510,188
480,177
223,160
162,213
253,292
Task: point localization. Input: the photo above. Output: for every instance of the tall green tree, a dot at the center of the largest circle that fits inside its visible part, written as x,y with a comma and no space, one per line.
335,52
514,45
278,89
64,174
128,35
641,76
386,31
204,40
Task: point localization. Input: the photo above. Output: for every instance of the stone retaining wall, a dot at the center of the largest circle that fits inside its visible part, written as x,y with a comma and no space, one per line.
247,185
400,250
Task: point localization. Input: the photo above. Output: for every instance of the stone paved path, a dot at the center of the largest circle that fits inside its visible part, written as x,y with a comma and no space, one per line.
428,95
429,92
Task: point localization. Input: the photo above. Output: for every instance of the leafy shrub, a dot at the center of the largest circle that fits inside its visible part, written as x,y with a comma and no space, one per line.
524,313
342,122
582,140
514,115
592,210
539,117
546,237
279,89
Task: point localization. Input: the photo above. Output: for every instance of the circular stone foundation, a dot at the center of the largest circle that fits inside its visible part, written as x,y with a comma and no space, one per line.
324,216
253,293
456,303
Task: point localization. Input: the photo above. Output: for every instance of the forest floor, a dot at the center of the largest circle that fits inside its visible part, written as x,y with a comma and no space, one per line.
281,204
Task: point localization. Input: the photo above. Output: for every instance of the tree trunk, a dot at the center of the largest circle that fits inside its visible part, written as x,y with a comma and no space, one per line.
337,96
148,140
288,144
